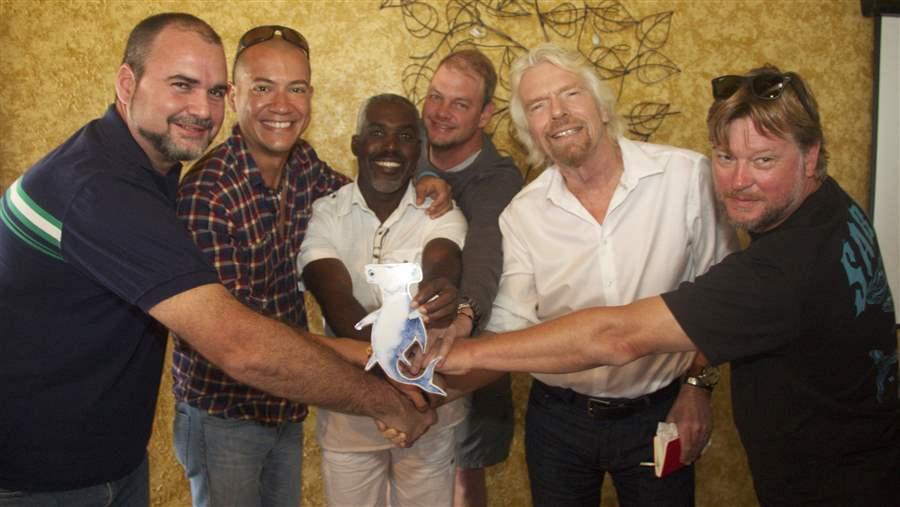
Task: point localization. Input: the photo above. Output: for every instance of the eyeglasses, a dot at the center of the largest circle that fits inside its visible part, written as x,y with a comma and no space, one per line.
765,86
261,34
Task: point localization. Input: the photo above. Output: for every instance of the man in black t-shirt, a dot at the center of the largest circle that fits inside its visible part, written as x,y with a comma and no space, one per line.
804,314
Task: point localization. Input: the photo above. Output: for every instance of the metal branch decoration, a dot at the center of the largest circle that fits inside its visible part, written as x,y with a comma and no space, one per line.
621,48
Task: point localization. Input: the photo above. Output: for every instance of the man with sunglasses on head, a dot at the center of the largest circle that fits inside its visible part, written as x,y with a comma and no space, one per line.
247,204
95,266
804,314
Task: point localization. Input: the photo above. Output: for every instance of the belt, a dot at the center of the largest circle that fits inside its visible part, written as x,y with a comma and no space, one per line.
608,408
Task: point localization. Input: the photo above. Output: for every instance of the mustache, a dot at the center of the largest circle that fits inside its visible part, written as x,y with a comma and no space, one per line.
741,194
559,123
191,120
393,155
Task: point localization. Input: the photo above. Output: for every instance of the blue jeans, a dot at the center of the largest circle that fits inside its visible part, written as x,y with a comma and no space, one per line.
569,451
133,490
238,462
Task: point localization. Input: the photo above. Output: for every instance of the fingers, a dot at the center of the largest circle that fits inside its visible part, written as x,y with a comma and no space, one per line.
455,361
439,192
694,438
439,206
395,436
437,300
417,361
692,413
413,393
418,424
446,344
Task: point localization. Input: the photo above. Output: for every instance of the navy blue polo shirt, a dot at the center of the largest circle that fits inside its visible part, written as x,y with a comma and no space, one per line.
89,242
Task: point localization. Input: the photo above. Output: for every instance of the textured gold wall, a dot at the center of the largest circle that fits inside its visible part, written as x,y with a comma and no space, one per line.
59,59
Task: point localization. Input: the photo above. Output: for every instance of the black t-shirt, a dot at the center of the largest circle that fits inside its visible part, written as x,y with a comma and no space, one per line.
806,319
89,242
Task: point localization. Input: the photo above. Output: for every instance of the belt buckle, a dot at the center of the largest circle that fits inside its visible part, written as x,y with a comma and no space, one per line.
606,409
598,408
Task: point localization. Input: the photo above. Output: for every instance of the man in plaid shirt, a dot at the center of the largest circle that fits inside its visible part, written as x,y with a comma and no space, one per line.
247,205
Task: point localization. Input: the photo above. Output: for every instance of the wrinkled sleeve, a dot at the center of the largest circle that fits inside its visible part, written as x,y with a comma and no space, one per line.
515,306
712,237
450,225
328,180
205,214
318,242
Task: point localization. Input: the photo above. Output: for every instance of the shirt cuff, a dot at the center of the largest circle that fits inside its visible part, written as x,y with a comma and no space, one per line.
426,172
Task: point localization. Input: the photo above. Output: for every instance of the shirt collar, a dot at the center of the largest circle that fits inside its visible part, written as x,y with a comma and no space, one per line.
122,146
636,164
357,199
238,148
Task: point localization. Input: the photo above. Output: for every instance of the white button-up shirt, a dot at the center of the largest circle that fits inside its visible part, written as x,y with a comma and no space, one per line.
343,227
662,227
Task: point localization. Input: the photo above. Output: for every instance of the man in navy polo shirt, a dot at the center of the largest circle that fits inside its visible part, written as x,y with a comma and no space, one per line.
94,266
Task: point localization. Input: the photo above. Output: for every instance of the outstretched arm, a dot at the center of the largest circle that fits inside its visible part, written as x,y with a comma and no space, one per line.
577,341
330,282
282,361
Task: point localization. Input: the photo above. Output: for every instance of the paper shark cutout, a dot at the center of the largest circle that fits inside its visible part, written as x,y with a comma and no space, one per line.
395,328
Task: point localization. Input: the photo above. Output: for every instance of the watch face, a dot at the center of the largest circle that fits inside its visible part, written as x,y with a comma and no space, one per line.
709,376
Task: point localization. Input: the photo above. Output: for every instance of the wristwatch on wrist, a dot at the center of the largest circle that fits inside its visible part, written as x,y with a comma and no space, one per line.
706,379
468,308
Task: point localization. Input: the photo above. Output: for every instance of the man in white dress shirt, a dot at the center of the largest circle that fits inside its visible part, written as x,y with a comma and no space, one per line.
609,221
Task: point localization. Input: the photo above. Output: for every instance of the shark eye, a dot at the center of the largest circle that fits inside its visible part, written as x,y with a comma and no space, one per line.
371,273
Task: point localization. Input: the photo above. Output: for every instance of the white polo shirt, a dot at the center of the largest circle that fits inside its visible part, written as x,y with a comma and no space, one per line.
343,227
662,227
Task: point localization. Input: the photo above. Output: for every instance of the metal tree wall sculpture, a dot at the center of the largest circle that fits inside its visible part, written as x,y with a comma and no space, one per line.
621,47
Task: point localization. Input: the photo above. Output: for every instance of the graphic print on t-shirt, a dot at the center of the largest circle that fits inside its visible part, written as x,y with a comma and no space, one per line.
862,263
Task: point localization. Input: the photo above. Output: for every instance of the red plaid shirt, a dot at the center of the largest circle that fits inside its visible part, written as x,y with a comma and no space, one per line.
233,218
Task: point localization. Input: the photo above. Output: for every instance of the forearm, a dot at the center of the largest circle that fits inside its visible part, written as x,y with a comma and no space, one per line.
441,258
577,341
330,283
353,351
272,356
458,386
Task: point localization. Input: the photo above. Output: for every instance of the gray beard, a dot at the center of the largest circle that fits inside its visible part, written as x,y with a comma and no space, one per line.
571,156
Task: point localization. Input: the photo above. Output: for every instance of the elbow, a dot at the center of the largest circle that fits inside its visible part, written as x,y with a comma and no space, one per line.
622,352
243,364
612,344
237,358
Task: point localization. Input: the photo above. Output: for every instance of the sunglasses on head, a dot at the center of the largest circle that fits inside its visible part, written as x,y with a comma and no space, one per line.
765,86
261,34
